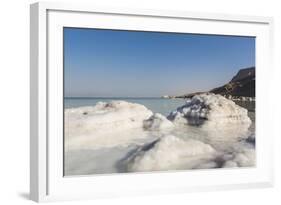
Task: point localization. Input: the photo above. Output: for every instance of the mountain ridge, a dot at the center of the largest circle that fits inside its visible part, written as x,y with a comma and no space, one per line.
241,85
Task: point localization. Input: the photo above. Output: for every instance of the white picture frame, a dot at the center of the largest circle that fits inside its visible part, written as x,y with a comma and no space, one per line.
47,182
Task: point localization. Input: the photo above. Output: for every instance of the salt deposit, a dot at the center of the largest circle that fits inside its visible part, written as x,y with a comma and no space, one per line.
210,110
157,122
170,153
244,158
106,124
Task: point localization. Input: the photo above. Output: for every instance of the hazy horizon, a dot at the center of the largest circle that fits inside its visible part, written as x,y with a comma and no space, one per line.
110,63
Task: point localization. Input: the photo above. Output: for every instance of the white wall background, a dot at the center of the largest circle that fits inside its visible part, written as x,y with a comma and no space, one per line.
14,102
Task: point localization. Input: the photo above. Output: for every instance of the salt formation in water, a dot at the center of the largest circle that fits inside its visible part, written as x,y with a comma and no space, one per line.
105,117
170,153
102,124
251,139
244,158
212,110
157,122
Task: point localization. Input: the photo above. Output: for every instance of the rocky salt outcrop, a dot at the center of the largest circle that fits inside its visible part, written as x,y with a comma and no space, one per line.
157,122
117,115
170,153
210,110
243,158
105,124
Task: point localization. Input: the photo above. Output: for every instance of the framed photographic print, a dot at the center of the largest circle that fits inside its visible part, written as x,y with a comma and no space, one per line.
127,102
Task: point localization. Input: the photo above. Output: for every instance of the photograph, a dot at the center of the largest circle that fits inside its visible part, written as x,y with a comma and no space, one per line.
148,101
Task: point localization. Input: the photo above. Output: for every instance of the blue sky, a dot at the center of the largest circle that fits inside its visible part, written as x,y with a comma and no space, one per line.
108,63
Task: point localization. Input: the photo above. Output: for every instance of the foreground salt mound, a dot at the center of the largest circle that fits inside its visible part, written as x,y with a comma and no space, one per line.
242,158
157,122
210,110
170,153
94,126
